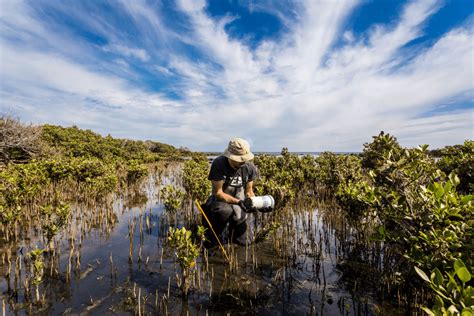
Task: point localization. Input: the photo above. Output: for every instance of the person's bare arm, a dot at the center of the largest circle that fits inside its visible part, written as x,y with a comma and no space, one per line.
218,192
249,190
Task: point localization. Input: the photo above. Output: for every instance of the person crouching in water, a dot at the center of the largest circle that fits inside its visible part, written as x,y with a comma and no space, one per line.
232,176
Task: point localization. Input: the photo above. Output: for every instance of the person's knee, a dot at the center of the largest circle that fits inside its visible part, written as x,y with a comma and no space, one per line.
221,210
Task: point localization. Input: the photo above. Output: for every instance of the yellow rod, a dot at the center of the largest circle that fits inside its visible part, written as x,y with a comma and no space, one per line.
218,240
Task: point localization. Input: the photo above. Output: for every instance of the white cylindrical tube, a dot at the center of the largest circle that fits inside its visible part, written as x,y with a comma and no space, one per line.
263,201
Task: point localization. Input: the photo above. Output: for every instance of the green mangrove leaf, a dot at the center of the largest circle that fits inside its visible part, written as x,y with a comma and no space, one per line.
437,277
372,174
467,312
454,179
428,311
439,190
439,303
459,264
463,274
469,296
422,274
448,186
452,284
453,310
467,198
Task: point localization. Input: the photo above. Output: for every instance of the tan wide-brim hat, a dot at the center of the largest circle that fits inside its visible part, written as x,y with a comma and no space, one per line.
238,150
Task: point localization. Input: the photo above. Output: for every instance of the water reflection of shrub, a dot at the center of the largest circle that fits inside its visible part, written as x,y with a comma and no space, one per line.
135,198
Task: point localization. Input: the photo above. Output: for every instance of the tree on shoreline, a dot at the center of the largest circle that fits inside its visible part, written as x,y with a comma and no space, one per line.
18,142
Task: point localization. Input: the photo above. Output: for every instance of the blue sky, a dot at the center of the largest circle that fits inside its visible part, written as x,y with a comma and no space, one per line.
307,75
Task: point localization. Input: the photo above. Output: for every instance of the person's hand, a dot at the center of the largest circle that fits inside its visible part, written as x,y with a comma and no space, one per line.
242,205
249,205
265,210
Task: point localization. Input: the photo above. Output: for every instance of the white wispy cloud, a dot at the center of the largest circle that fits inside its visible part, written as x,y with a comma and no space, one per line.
138,53
296,90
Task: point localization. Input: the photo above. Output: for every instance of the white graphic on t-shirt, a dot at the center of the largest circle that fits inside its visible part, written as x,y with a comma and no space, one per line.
236,181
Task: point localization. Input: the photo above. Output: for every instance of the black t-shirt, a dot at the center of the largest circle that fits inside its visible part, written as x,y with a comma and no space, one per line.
222,170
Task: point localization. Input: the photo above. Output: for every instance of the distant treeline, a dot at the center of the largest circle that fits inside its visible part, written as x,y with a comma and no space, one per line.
20,143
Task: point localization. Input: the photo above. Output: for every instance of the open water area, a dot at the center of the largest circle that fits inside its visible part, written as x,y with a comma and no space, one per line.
114,259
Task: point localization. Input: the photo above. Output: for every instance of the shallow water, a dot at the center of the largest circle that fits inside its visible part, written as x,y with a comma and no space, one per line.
297,270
